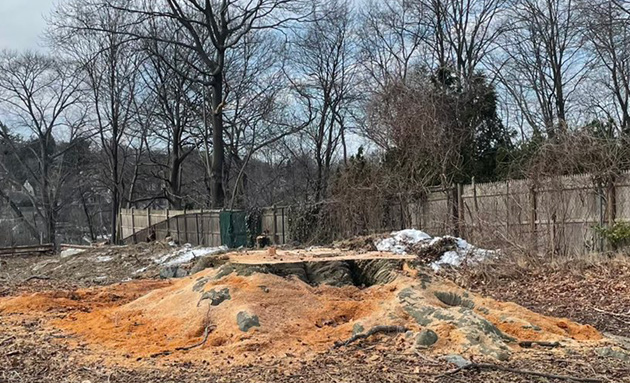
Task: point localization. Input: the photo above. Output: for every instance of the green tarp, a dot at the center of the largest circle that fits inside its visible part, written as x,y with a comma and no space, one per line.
233,228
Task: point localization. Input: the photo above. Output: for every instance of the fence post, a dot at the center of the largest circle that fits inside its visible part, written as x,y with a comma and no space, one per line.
533,216
168,224
460,209
149,217
197,228
284,240
179,238
203,233
474,221
611,206
186,226
507,209
455,210
275,225
133,225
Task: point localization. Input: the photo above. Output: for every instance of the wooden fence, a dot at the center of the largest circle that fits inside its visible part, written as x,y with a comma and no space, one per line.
197,227
552,216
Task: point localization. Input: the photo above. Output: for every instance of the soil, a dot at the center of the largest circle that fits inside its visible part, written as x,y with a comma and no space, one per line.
79,330
595,292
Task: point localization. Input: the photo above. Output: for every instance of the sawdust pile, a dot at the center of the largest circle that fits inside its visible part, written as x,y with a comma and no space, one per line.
246,316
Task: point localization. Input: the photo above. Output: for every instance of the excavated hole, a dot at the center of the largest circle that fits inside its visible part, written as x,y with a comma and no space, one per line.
361,273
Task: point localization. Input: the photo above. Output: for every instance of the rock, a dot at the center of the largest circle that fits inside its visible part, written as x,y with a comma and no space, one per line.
357,329
168,272
457,360
421,315
201,282
426,338
452,299
216,297
246,321
500,352
615,353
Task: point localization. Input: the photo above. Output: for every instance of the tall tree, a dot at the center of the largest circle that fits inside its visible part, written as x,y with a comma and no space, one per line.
40,95
111,63
169,76
542,63
608,34
213,29
325,63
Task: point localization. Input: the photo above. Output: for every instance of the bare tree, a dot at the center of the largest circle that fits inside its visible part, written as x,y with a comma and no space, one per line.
41,96
463,32
325,63
543,62
111,63
212,29
608,34
168,74
394,40
259,110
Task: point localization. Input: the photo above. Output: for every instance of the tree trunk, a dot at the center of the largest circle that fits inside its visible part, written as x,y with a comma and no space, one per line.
218,154
114,216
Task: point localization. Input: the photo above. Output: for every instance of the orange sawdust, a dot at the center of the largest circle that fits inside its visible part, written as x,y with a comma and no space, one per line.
141,320
524,324
294,317
81,299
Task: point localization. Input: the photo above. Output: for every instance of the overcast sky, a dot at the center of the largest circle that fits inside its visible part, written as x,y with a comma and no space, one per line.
22,23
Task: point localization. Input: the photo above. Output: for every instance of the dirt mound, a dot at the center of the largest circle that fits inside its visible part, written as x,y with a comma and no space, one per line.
244,315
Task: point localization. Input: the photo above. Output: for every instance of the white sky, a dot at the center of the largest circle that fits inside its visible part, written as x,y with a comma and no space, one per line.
22,23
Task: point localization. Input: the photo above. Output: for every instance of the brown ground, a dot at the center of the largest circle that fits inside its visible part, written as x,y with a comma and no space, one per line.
591,290
49,340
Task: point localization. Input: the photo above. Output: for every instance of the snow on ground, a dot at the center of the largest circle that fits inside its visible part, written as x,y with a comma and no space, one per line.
103,258
399,241
70,252
187,253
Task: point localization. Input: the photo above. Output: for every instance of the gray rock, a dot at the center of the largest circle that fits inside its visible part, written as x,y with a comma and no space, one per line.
426,338
246,321
452,299
357,329
216,297
421,315
201,282
615,353
457,360
168,272
501,352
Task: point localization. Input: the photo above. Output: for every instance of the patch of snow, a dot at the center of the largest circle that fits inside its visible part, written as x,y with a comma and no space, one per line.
187,254
70,252
400,240
465,253
141,270
103,258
